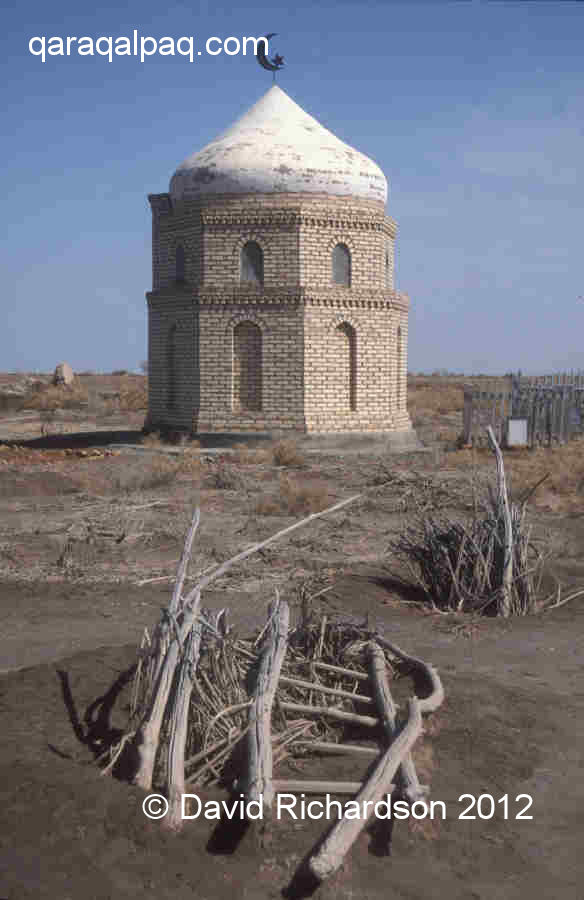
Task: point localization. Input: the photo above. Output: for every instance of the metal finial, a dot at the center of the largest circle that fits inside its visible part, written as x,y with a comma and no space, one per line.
274,64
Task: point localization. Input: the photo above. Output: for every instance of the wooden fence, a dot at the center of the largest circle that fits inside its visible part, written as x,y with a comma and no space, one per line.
559,379
552,405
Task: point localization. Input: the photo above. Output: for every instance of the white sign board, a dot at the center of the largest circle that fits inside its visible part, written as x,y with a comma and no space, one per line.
516,432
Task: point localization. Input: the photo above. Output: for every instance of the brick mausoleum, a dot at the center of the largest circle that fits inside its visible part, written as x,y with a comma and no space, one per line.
273,305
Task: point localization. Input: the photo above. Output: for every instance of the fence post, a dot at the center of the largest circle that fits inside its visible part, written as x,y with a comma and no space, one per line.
515,389
467,415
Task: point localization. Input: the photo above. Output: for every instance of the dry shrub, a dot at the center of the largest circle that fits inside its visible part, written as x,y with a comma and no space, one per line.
563,488
139,474
133,396
224,477
246,455
287,453
459,566
294,499
434,398
56,397
189,461
142,476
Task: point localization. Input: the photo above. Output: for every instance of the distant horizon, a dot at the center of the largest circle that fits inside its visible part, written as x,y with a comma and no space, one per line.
473,111
437,373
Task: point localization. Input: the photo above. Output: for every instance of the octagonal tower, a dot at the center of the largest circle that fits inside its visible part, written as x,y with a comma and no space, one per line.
273,305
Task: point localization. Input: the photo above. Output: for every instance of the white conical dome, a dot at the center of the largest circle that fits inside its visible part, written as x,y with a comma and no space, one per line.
275,147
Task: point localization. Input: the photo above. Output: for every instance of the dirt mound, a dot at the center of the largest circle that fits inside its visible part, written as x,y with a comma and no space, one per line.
69,833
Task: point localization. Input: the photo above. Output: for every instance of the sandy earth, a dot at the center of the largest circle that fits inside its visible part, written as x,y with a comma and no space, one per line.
512,724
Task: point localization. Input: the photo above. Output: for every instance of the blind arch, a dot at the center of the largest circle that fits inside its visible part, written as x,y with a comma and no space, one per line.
171,367
179,264
341,265
247,367
399,367
252,263
346,363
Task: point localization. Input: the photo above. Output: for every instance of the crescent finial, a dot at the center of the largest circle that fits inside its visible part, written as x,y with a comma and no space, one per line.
273,64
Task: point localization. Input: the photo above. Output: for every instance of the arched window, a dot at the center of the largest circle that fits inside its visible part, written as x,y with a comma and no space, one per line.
171,367
399,366
179,264
247,367
252,263
346,360
342,265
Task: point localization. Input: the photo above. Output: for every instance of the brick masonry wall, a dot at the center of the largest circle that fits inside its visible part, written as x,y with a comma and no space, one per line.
327,359
308,324
281,365
164,314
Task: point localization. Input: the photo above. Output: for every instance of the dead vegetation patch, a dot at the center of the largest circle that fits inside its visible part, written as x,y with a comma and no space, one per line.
50,398
142,473
487,564
287,453
283,453
224,477
432,397
549,478
130,395
247,455
294,497
133,395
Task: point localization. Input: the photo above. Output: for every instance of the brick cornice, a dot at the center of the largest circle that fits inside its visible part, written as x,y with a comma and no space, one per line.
284,295
389,227
160,203
276,219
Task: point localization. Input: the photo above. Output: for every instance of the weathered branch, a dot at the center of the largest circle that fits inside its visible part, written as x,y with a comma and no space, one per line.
407,778
148,735
332,851
323,689
183,565
293,786
436,695
224,567
259,742
332,749
330,712
179,728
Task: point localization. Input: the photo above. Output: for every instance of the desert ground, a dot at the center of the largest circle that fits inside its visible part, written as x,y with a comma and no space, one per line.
92,520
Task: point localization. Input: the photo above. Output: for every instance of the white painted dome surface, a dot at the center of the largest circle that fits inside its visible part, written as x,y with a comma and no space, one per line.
275,147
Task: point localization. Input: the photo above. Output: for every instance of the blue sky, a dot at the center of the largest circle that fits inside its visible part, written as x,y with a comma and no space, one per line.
474,110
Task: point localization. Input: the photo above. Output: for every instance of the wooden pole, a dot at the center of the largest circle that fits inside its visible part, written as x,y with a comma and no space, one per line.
172,634
504,511
323,689
179,728
330,712
436,696
259,740
344,832
148,734
407,778
332,749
